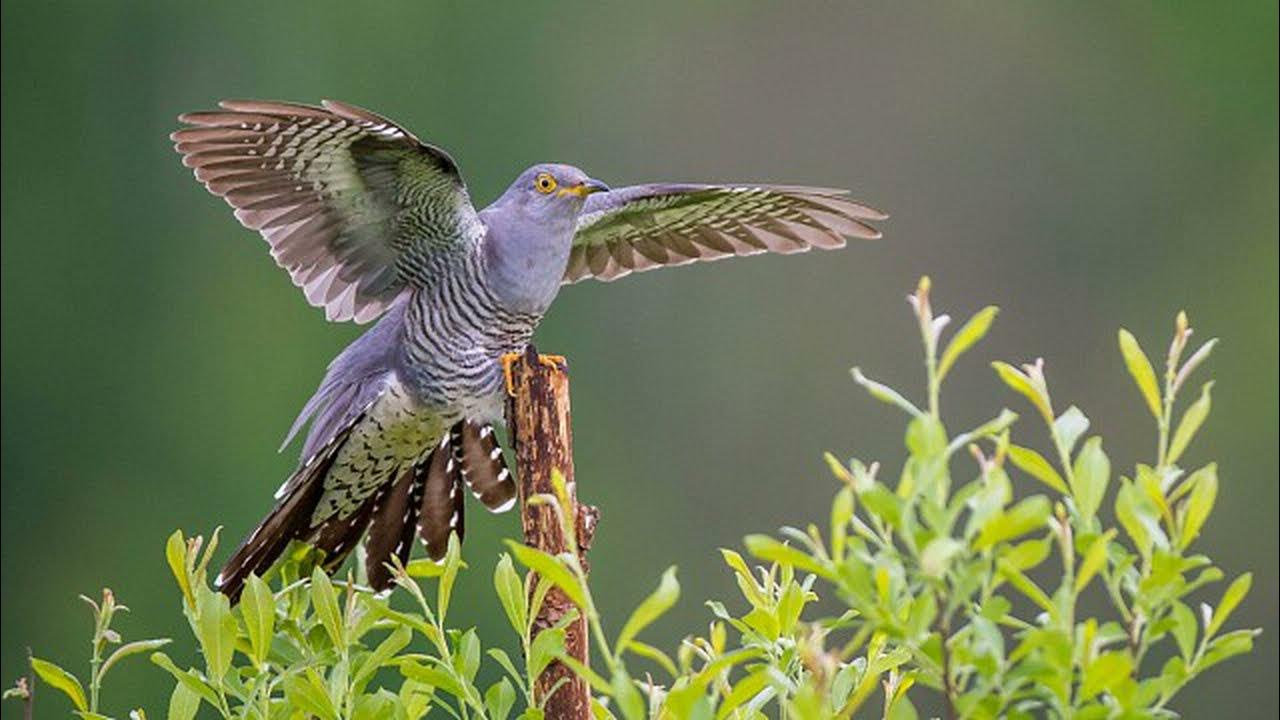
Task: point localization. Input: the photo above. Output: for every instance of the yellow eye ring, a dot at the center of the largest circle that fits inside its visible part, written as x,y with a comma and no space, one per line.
544,183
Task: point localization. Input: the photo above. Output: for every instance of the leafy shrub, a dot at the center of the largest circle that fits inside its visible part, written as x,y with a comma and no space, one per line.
951,587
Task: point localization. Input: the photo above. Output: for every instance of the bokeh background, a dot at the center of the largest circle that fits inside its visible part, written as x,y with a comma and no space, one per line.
1084,166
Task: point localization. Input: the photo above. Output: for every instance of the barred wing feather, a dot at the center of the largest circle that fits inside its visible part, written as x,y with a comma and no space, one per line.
351,204
642,227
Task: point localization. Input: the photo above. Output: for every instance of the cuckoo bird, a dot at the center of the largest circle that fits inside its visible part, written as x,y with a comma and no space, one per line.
374,224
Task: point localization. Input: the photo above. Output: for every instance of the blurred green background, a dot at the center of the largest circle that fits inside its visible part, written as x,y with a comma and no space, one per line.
1084,166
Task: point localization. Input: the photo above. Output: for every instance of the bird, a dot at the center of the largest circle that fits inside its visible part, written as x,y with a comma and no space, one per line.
372,223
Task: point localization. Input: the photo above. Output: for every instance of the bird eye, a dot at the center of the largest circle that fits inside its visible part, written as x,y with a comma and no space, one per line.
544,183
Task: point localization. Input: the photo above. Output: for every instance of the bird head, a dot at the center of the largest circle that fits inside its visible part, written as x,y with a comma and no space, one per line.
552,191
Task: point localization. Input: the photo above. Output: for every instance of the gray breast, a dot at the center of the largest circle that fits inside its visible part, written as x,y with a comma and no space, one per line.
455,334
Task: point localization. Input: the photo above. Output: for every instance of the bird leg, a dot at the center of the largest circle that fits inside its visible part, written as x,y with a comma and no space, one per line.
554,362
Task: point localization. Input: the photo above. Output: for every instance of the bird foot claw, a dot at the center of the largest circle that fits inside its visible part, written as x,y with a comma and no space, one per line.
555,362
507,360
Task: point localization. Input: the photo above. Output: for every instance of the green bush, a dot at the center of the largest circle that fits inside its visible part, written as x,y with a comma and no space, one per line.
950,586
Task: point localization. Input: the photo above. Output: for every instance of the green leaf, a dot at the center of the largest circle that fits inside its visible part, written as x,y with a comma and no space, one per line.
424,568
1033,463
1106,672
744,690
966,337
325,601
1070,427
1026,586
1024,517
56,677
653,607
551,568
546,647
1191,421
433,677
444,590
1227,646
499,699
1095,558
1090,474
383,654
937,555
1143,374
885,394
1204,491
1019,382
1184,629
190,678
216,630
510,589
132,648
1028,554
257,607
772,550
175,553
1140,517
183,703
1230,599
306,692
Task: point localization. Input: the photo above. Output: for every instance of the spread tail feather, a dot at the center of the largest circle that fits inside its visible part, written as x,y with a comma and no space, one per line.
483,467
425,499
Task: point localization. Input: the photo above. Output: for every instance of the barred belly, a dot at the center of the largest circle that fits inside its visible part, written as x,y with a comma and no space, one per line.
456,333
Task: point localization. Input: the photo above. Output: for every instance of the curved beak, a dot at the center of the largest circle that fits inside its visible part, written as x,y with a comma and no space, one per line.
585,188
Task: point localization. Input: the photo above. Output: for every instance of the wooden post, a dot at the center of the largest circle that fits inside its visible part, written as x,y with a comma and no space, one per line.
538,416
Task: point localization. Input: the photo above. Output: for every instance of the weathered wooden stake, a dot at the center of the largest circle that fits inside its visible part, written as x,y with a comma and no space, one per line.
538,415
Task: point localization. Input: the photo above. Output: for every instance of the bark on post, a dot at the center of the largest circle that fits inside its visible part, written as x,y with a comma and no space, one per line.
538,416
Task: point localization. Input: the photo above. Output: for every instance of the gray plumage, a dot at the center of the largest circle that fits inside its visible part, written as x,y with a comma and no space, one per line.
372,223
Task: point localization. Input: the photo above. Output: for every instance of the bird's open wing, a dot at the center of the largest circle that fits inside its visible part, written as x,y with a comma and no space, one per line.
351,204
637,228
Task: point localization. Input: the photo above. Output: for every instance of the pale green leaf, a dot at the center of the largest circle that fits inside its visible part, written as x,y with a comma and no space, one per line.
383,654
510,589
258,609
1091,473
884,393
653,607
1143,374
1095,558
452,560
966,337
1230,599
1106,672
306,692
1227,646
937,555
1184,629
1034,464
189,678
216,629
131,648
551,568
499,699
63,681
1018,381
1070,426
183,703
1191,421
1024,517
1204,491
325,601
175,553
1025,585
